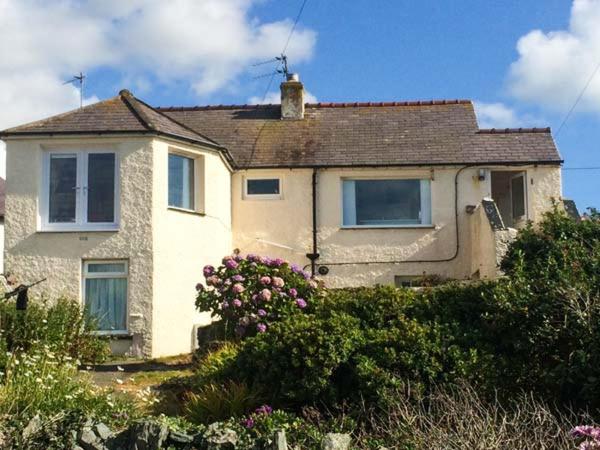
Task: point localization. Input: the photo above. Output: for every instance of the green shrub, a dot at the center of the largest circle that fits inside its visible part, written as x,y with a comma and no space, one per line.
61,326
217,365
299,359
212,402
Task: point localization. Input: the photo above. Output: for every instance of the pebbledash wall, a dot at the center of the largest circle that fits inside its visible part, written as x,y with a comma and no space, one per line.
283,227
165,249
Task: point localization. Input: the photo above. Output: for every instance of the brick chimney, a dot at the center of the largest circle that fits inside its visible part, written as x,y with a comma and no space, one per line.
292,98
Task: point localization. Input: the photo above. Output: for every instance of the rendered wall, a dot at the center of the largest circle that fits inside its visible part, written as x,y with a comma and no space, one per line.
183,243
31,255
283,227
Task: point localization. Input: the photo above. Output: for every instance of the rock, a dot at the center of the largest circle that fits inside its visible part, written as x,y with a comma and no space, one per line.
217,438
280,441
336,441
148,436
102,431
89,441
33,427
179,437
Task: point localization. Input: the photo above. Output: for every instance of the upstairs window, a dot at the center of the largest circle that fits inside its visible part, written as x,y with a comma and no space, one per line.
386,203
262,188
181,182
79,191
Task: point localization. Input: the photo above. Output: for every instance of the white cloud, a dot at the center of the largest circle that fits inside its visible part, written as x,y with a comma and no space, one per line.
206,44
554,67
499,115
274,98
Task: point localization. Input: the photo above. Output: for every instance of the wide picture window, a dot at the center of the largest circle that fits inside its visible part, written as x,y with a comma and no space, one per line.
80,190
386,203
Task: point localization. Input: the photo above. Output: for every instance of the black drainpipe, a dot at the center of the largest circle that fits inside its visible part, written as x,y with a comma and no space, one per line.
315,252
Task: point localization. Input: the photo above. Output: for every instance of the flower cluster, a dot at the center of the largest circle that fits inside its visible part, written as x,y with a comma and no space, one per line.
253,291
250,421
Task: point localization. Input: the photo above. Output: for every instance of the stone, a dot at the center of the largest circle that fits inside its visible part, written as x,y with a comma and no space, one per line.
89,441
33,427
179,437
336,441
102,431
280,441
148,436
217,438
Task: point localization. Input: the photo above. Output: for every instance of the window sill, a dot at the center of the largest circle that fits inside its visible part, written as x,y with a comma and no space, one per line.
186,211
387,227
113,334
107,229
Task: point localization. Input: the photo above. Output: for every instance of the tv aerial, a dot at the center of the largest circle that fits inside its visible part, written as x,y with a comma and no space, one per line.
78,79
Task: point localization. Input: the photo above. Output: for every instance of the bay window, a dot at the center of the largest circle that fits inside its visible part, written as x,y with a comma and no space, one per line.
79,190
386,202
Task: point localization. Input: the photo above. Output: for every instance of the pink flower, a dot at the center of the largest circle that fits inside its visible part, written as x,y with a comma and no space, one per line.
237,288
199,287
293,292
278,262
265,280
278,282
265,294
238,278
261,313
213,280
261,327
237,302
301,303
249,422
208,271
231,264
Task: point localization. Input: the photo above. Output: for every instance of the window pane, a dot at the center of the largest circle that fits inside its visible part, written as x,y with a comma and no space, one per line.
101,187
263,187
63,193
388,202
106,267
106,301
518,196
181,182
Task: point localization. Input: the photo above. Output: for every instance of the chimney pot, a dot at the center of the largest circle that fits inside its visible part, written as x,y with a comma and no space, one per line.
292,98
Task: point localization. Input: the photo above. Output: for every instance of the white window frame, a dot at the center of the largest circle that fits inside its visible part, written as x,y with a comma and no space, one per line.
81,223
426,202
125,274
199,182
248,196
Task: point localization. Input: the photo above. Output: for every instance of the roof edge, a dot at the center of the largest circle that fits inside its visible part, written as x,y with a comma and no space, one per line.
513,130
319,105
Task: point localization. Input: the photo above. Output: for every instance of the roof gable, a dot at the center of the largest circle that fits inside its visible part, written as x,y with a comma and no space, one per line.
121,114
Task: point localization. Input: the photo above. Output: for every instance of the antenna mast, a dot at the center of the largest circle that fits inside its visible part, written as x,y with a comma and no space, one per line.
78,78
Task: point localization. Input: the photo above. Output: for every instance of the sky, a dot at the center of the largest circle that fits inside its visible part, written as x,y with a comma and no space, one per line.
524,63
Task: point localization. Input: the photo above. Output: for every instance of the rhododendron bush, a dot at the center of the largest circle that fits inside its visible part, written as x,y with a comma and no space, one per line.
250,293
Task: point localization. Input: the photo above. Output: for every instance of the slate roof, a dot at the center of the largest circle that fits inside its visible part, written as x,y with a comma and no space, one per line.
365,134
121,114
330,135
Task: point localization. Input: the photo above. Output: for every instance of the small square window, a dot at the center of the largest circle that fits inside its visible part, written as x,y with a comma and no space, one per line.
263,187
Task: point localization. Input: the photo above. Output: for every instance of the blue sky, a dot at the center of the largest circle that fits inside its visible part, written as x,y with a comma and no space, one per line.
523,62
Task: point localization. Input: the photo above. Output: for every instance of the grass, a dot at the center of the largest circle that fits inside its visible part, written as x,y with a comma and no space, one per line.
157,385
